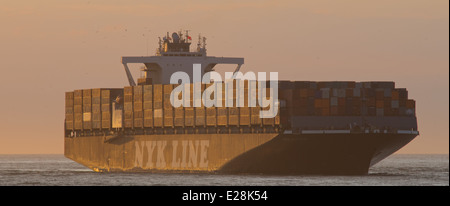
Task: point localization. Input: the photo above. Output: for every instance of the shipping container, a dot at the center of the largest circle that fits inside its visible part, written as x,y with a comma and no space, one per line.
233,116
410,104
96,92
158,117
388,85
179,117
144,81
325,93
211,117
222,118
157,93
148,92
254,115
106,120
379,104
138,93
168,88
168,117
189,116
244,116
96,120
200,117
395,95
402,93
128,90
148,118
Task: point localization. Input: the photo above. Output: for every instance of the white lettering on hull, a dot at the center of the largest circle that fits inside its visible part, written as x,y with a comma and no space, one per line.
180,154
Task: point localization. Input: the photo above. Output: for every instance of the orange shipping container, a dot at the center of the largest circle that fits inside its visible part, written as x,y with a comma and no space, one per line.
318,103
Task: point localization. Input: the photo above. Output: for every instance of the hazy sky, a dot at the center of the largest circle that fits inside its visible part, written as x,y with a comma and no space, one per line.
48,47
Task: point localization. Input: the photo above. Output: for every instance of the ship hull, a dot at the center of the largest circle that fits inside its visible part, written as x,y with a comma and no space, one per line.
264,153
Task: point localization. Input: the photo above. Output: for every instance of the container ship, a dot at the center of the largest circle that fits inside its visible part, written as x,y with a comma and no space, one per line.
320,127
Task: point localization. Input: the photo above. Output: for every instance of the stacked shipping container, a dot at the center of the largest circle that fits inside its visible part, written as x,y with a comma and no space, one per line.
128,107
87,109
148,106
96,109
138,107
78,109
69,111
106,108
158,105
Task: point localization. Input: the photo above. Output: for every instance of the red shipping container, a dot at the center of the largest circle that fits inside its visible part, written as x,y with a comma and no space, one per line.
356,111
356,101
387,111
321,85
410,104
341,102
334,111
349,92
326,103
341,111
379,95
387,103
303,93
394,95
351,84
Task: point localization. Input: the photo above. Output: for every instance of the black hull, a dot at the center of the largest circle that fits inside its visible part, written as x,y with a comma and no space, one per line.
277,154
330,154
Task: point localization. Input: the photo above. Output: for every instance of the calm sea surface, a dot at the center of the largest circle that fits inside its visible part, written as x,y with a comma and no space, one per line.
57,170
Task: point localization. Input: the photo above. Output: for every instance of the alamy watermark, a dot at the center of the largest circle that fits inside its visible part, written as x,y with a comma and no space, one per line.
213,95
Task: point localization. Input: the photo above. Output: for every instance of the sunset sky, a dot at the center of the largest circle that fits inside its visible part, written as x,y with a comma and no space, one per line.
48,47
